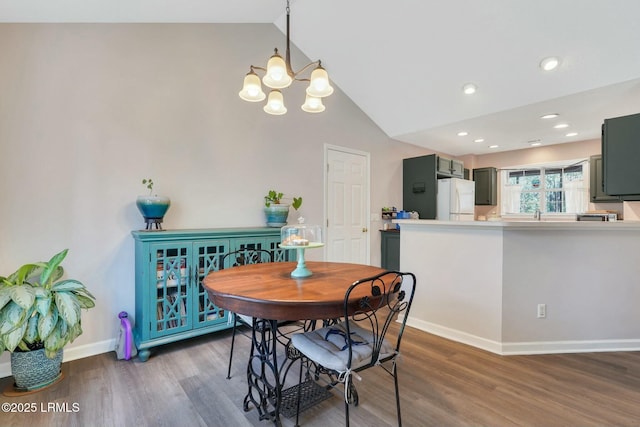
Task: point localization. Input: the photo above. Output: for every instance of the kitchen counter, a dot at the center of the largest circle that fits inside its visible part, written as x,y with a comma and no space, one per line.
526,224
481,282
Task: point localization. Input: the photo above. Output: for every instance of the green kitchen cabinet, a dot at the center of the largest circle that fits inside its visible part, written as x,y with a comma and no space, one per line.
420,182
390,249
171,302
449,168
420,185
486,180
620,154
596,186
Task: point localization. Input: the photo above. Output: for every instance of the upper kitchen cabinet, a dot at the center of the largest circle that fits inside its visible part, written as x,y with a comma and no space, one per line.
420,182
486,186
596,187
621,156
450,168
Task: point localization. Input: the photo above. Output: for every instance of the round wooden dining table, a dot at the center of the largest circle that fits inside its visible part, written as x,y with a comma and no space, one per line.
269,294
268,291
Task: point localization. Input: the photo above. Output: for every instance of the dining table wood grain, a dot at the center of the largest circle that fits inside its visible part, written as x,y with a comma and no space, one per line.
268,291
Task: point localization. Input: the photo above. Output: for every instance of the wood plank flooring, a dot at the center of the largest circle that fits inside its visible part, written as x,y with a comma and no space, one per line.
442,383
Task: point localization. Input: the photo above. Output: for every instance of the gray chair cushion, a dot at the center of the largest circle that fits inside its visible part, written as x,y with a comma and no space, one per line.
328,346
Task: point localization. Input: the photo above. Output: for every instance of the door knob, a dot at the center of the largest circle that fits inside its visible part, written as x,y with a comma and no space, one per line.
364,229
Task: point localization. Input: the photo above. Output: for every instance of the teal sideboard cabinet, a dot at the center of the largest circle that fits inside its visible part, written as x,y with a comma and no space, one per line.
171,303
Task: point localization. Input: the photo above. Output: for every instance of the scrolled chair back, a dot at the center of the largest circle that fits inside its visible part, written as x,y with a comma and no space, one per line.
246,256
359,340
371,305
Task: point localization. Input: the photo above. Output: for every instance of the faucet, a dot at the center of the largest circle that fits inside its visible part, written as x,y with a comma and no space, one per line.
537,214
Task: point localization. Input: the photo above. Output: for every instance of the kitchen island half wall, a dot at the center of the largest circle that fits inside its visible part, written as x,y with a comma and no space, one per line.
481,283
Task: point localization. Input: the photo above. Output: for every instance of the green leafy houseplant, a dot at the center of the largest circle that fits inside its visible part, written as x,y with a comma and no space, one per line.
276,198
148,182
275,211
38,310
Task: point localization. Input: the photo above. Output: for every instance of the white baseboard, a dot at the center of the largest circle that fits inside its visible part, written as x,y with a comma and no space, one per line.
72,353
455,335
550,347
522,348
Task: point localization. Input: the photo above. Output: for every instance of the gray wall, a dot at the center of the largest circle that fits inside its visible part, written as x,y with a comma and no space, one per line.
88,110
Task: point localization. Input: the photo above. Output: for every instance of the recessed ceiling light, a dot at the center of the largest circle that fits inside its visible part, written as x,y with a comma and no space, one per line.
479,140
493,146
463,133
572,134
550,116
536,144
561,126
469,88
550,63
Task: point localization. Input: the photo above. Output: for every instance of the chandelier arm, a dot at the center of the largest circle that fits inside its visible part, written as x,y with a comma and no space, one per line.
303,69
254,67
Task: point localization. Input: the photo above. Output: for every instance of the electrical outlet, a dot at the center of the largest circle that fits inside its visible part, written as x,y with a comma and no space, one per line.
542,311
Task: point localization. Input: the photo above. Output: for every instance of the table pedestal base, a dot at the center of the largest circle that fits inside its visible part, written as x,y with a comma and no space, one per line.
265,372
301,269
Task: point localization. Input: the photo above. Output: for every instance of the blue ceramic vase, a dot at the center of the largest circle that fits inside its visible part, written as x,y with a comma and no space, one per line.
276,215
153,209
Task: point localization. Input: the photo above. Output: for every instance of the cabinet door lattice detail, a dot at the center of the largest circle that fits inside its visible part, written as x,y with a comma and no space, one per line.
210,256
171,289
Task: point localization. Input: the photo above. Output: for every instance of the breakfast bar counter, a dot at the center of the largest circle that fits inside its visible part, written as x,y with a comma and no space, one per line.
524,287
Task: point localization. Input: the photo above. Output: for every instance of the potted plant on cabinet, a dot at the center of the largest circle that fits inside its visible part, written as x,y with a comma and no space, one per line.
39,315
277,212
152,207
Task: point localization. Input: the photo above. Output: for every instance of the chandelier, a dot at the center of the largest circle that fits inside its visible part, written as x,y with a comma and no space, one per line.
279,75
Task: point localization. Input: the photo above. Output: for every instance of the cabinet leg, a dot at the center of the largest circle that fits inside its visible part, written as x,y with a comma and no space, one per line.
144,354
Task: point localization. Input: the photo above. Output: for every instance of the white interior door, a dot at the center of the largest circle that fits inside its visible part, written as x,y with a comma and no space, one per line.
347,192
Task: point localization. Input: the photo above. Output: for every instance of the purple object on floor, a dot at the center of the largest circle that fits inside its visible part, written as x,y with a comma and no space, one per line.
126,325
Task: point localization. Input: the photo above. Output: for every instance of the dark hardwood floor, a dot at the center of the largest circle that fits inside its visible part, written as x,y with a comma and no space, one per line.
442,383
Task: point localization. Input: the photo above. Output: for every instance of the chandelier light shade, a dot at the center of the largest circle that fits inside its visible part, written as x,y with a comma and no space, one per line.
280,75
319,85
276,76
252,89
275,103
313,104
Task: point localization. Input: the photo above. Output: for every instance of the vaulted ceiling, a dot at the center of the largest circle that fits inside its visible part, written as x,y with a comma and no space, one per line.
404,62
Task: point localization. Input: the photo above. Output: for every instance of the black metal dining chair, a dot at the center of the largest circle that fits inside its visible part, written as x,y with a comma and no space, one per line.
359,341
233,259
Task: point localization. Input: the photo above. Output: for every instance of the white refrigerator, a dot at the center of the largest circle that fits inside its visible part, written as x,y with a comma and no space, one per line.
456,199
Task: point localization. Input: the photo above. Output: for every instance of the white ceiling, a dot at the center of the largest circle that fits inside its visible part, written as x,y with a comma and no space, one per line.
404,62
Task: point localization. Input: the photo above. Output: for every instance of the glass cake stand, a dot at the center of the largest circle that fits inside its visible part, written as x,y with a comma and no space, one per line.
301,269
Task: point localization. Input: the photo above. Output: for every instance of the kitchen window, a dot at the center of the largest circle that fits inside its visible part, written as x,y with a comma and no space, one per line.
551,188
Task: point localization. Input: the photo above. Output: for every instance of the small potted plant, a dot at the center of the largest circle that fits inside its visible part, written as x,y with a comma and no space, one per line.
152,207
39,315
276,212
